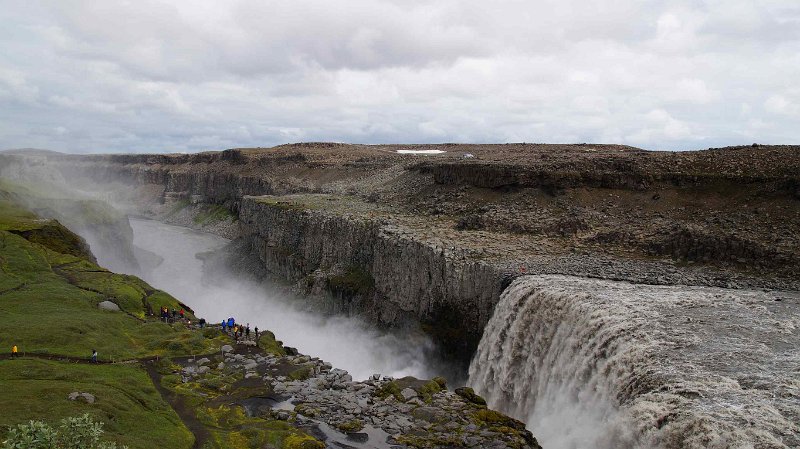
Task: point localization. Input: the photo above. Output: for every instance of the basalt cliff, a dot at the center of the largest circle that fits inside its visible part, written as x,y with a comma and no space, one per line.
433,239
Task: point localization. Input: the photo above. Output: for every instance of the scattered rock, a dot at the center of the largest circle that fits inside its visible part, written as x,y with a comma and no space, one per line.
408,393
78,396
108,305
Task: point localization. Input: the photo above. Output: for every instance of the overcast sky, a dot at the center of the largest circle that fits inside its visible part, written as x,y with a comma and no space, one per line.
114,76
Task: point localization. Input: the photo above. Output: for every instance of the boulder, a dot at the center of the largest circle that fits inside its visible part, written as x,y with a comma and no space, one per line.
226,348
86,397
108,305
408,393
290,351
470,395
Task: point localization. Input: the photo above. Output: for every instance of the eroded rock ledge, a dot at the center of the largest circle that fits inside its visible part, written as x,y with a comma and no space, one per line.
434,239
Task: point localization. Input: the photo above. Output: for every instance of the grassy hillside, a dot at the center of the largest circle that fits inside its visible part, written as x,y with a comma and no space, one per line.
49,291
127,402
50,288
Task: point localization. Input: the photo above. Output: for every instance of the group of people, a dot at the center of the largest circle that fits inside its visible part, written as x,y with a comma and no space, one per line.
229,327
238,331
172,316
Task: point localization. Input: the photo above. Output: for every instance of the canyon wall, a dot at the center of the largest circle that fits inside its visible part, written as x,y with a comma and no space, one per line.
433,241
375,269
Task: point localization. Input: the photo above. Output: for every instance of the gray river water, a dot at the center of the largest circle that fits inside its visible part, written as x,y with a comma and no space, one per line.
345,342
585,363
602,364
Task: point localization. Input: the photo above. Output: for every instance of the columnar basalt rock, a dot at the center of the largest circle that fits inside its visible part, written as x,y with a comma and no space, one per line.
405,280
435,239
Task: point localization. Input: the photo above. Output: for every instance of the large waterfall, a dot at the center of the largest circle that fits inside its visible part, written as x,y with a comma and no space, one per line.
603,364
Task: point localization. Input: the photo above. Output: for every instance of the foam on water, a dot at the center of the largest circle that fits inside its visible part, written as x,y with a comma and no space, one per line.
603,364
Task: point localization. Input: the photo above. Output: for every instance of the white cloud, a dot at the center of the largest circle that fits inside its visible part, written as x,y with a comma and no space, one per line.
164,76
778,104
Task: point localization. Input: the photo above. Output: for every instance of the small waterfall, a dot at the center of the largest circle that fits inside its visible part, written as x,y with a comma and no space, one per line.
602,364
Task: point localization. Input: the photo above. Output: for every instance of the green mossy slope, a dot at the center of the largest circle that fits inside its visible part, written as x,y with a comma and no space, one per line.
49,291
50,288
132,410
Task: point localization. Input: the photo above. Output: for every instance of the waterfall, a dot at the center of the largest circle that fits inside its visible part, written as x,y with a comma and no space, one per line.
602,364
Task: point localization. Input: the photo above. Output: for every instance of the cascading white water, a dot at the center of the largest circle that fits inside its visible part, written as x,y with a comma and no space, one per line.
602,364
346,342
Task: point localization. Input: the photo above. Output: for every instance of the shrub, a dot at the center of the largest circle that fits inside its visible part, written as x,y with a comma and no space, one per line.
74,433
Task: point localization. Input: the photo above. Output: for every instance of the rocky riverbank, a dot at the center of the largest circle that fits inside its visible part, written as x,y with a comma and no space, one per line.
327,403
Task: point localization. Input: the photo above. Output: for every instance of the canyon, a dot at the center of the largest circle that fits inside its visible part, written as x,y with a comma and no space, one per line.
639,256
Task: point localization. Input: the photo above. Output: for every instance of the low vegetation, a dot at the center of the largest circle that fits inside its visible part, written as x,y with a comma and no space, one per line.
50,288
126,400
77,432
213,213
354,281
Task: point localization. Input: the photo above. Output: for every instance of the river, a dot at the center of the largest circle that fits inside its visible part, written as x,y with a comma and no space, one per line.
585,363
347,343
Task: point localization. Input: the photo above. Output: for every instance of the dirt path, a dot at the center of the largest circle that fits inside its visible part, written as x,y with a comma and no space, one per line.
185,413
66,358
187,416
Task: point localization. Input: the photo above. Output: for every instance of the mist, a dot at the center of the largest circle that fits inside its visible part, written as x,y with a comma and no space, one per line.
346,342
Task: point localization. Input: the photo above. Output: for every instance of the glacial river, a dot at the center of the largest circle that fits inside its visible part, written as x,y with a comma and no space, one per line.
347,343
585,363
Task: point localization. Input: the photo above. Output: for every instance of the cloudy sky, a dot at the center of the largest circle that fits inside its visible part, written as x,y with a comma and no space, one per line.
145,75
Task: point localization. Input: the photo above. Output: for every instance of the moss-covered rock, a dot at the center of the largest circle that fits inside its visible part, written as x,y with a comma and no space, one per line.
470,396
350,426
424,388
303,372
54,236
302,442
354,281
307,410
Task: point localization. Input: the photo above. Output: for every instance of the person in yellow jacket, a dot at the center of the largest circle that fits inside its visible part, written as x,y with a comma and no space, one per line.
14,351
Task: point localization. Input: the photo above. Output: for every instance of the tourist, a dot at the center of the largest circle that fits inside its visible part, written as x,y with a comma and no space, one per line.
94,356
14,352
182,314
256,331
224,326
202,323
247,331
